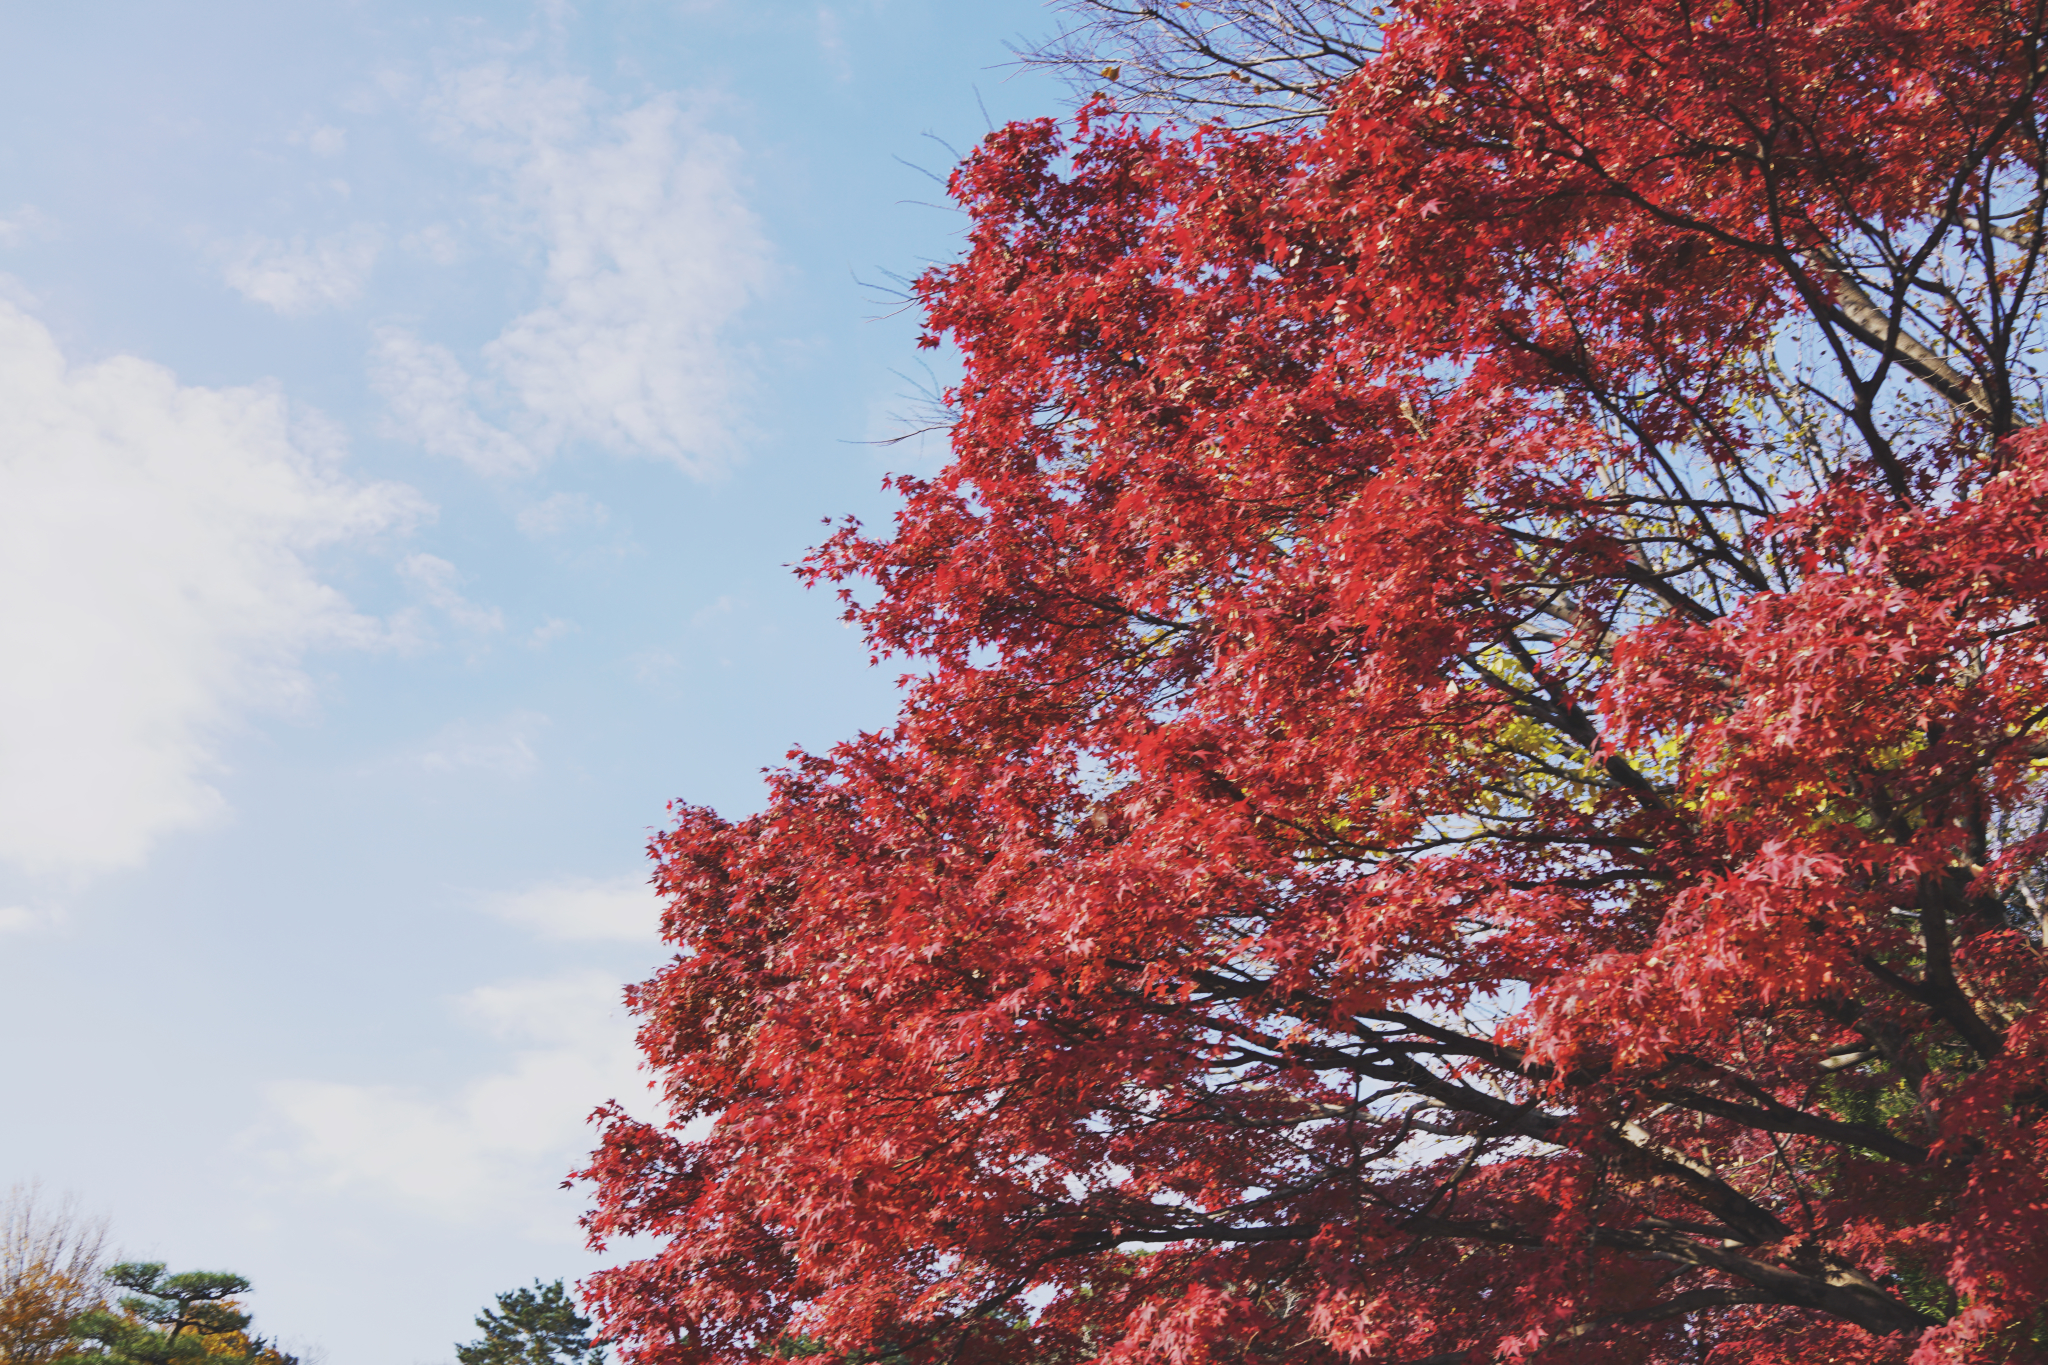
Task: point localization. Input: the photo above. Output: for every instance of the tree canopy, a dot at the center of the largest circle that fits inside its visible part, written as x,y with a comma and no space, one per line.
1474,788
537,1326
189,1318
51,1274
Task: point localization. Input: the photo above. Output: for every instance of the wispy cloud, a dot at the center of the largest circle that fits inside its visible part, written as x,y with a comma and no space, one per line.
618,909
502,747
491,1148
302,276
439,583
561,512
549,631
327,141
651,255
26,224
432,401
155,586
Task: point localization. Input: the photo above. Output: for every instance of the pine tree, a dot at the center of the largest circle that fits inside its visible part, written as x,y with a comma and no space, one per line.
188,1317
537,1326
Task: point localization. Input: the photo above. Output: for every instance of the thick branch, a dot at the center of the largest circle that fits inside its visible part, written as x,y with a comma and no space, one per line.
1844,1293
1856,313
1780,1118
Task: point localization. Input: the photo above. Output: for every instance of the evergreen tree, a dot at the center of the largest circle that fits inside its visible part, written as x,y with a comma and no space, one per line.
537,1326
167,1319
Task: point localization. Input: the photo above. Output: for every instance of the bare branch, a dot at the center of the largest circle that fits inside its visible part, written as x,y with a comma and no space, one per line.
1246,63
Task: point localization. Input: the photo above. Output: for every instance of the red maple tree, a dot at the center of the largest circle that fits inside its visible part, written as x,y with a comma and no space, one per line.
1476,789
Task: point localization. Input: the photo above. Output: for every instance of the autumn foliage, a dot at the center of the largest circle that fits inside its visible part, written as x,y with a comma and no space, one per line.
51,1261
1474,784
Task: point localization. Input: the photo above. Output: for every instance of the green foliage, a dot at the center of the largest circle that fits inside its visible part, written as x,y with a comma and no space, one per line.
182,1319
537,1326
197,1299
1926,1290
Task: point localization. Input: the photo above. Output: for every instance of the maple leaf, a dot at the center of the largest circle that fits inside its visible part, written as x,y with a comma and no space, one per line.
1475,786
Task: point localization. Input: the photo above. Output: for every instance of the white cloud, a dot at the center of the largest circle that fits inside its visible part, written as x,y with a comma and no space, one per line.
26,224
437,242
503,747
432,402
705,617
327,141
494,1147
561,512
832,44
548,631
435,579
621,909
154,587
650,253
301,276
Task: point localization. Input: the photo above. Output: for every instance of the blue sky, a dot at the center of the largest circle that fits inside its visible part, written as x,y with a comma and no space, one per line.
408,412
